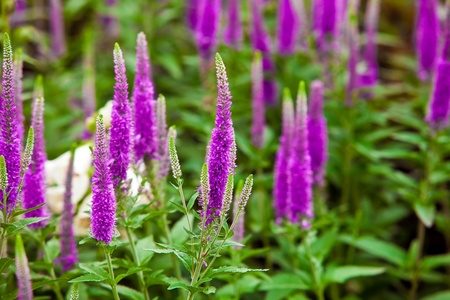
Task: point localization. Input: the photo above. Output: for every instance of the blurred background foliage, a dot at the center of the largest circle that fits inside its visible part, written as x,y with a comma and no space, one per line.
385,169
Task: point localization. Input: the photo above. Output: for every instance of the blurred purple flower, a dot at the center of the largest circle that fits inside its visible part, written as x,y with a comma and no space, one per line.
233,33
20,13
299,164
9,137
446,46
280,190
68,247
120,141
317,131
58,39
207,27
427,37
438,107
258,109
369,76
103,216
353,44
288,27
325,23
34,180
192,11
220,158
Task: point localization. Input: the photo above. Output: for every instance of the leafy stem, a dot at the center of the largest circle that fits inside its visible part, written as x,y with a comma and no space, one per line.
137,261
48,260
318,287
111,272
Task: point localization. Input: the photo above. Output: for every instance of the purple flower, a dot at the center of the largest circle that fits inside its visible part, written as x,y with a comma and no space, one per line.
23,275
260,40
427,37
69,252
280,190
103,216
9,138
120,141
164,136
192,11
233,33
34,179
317,131
325,26
20,14
145,127
299,164
438,107
18,75
370,75
259,36
288,27
207,27
58,39
220,158
258,109
446,46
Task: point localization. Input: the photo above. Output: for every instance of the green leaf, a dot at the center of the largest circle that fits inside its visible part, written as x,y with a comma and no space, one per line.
192,201
230,269
87,278
53,248
129,272
178,206
445,295
17,226
129,293
4,263
426,213
344,273
18,212
430,262
378,248
178,233
285,281
94,269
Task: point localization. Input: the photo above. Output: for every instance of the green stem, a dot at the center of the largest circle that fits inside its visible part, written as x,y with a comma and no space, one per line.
111,273
318,287
138,263
47,259
348,158
180,189
416,272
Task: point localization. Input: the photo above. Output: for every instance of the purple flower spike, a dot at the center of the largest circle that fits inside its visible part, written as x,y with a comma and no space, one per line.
9,138
280,191
103,216
208,25
221,154
288,27
68,247
446,47
325,26
34,180
192,14
427,37
258,32
233,34
145,130
120,141
438,107
258,109
317,131
370,75
299,164
25,292
58,39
